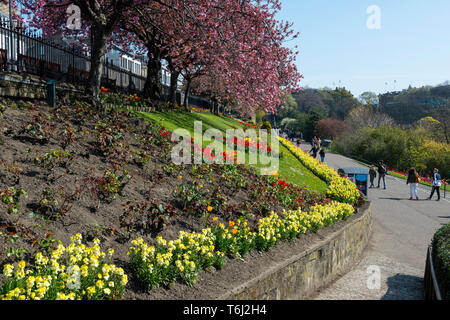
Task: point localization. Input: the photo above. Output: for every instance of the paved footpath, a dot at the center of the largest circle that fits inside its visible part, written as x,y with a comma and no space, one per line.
402,231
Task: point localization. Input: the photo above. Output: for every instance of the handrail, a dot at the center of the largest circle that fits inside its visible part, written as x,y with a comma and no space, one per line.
431,285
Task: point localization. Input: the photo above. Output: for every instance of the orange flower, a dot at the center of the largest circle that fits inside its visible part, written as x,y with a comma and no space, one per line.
231,223
234,231
215,219
209,208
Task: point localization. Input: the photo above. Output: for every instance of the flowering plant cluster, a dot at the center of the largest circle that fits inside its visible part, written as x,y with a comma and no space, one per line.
179,259
339,188
235,239
244,123
75,272
229,157
292,223
184,257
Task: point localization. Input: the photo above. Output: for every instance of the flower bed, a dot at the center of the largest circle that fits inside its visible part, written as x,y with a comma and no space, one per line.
183,258
339,188
116,157
75,272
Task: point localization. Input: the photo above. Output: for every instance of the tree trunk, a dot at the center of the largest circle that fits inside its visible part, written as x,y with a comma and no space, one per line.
98,50
153,86
186,94
173,85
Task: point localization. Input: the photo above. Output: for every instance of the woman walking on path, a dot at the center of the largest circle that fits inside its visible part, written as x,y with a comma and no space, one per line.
373,175
413,180
436,185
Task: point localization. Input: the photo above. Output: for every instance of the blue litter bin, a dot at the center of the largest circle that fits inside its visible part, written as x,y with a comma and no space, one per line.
51,93
326,143
359,176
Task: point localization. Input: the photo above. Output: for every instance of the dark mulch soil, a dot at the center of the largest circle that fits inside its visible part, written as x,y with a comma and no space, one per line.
30,129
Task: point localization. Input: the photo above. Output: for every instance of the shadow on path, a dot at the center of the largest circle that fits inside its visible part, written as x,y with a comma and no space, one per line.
404,287
414,200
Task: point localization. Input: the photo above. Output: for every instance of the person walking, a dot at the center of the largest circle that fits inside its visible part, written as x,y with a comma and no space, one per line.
314,151
436,185
373,175
381,173
413,181
322,155
313,141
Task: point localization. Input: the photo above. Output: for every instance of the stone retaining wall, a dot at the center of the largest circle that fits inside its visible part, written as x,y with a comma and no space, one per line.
24,86
301,275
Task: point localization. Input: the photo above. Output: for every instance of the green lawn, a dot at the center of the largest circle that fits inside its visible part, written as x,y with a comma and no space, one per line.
290,169
185,120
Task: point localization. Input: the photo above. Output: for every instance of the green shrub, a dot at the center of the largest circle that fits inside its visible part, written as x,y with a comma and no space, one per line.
399,148
441,259
266,125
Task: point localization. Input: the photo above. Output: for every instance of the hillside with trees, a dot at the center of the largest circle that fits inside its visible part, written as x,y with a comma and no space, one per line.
406,129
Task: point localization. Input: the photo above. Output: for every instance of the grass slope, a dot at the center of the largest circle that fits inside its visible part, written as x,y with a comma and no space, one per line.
290,169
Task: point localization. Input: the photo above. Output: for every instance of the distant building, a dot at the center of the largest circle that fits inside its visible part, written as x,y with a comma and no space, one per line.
4,10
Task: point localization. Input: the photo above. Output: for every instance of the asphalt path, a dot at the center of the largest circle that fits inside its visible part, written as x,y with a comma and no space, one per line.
392,266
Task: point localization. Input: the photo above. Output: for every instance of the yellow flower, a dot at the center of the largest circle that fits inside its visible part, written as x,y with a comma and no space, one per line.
215,219
99,284
209,208
90,290
8,270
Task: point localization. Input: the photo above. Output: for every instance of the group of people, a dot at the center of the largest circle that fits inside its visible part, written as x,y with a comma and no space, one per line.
316,149
413,180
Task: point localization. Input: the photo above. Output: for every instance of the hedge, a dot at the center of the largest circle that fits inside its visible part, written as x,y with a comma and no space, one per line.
441,259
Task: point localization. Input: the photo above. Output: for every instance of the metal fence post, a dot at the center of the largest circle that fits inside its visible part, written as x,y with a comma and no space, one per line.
51,93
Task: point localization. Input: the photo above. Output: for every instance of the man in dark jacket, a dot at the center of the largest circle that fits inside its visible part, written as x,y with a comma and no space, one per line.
381,173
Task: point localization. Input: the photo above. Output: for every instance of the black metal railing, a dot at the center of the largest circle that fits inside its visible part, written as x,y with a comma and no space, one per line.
29,53
431,285
26,52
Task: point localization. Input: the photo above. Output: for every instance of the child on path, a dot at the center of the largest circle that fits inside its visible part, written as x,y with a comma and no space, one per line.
322,155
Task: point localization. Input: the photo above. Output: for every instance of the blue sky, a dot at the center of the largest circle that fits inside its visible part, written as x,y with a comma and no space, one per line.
412,47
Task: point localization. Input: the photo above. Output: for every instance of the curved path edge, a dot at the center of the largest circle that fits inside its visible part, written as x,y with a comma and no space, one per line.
301,275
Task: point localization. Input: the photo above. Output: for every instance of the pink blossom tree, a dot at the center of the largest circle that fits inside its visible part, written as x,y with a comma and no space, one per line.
99,18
